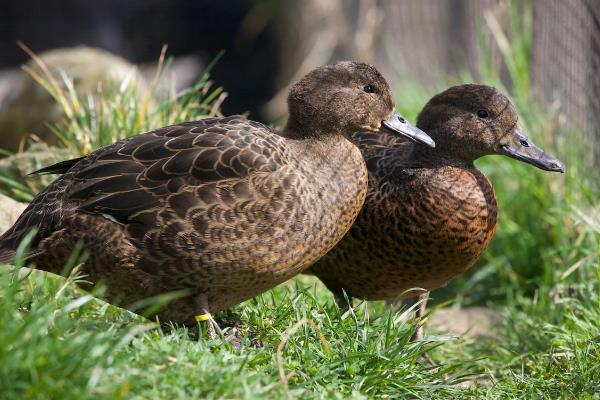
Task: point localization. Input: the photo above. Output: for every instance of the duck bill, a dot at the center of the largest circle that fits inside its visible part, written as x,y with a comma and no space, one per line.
531,154
399,126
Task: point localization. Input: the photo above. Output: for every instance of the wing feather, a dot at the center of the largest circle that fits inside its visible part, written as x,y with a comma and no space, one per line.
142,172
174,190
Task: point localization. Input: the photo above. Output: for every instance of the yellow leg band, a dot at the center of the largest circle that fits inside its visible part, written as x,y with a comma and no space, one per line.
203,317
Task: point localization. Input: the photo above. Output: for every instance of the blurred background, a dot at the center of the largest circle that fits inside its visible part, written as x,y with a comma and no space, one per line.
270,43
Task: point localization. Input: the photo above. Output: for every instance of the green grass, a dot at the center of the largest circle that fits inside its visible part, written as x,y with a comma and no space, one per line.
541,272
58,342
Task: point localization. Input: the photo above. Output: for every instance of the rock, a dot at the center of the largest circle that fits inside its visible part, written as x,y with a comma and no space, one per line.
467,322
26,107
9,212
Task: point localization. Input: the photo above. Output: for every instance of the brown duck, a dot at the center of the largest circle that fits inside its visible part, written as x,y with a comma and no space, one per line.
429,213
223,208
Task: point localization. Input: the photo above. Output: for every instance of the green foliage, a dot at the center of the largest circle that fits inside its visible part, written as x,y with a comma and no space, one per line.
59,342
549,347
368,355
93,120
54,344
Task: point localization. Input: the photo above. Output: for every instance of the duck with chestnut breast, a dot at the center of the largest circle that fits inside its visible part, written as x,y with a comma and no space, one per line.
222,208
429,213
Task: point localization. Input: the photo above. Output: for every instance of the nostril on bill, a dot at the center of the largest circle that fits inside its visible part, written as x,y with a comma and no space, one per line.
401,119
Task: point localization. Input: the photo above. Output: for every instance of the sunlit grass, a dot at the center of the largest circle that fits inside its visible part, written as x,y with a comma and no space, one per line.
93,120
109,113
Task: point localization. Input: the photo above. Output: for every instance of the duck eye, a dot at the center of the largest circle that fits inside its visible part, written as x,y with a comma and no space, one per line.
369,89
524,143
482,114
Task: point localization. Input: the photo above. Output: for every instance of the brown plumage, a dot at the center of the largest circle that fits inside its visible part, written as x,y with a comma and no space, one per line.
429,213
224,208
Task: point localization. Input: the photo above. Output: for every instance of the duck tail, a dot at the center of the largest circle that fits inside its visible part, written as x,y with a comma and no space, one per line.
58,168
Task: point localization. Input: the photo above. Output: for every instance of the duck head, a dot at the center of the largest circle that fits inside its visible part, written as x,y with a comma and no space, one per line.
471,121
346,97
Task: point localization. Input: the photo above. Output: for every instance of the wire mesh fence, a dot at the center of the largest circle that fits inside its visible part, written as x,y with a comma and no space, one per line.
566,61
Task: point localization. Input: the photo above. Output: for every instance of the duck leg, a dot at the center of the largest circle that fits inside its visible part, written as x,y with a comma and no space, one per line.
419,332
205,317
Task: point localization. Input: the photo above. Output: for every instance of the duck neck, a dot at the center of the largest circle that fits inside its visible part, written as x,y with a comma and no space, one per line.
449,150
295,130
323,153
441,155
316,146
